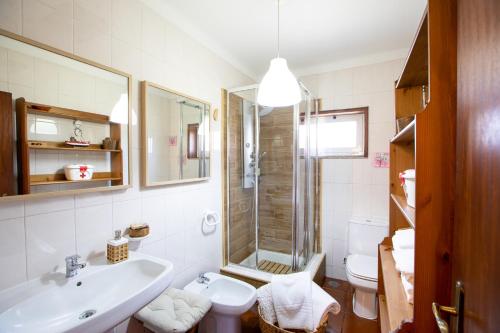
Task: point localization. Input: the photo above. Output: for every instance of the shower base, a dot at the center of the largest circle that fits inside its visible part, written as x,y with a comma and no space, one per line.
247,272
277,257
274,267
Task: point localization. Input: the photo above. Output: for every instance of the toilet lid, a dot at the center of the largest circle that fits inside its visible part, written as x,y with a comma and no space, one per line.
363,267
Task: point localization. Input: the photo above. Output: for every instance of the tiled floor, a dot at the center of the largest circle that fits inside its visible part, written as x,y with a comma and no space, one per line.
345,322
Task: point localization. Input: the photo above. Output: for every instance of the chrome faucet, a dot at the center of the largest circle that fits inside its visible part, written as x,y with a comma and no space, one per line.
203,279
72,265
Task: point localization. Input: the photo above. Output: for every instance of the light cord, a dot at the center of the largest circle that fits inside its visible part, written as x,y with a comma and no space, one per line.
278,1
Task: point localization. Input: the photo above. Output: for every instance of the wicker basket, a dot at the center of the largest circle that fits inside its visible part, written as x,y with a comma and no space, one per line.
267,327
141,231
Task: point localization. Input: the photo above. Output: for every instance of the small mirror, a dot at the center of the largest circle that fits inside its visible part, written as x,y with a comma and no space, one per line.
175,137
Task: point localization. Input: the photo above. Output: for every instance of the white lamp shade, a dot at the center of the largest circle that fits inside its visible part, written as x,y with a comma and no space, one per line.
279,87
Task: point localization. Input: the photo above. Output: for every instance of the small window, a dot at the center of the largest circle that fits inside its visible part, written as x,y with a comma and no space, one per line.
341,133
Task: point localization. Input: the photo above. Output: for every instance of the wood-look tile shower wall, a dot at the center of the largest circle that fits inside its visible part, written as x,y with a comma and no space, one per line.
276,185
242,226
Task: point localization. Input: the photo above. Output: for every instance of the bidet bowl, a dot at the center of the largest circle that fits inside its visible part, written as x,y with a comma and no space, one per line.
230,298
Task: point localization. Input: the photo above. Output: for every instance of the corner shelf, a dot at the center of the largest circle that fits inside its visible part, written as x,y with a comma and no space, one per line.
397,308
407,211
406,135
50,145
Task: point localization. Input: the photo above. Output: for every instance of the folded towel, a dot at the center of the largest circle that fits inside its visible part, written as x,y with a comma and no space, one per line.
404,260
407,280
292,298
404,239
323,304
265,299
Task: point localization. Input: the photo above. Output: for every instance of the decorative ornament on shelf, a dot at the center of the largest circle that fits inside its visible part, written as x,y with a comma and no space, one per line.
279,87
77,140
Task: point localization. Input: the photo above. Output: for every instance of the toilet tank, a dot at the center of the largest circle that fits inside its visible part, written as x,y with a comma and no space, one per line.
365,235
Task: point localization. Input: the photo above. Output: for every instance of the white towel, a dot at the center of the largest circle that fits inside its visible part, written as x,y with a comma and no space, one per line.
292,297
404,239
404,260
323,304
266,304
407,280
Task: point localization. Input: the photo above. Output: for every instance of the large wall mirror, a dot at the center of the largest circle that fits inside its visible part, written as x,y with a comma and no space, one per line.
175,137
65,122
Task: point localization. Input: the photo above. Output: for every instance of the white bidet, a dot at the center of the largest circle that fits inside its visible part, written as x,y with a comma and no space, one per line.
230,299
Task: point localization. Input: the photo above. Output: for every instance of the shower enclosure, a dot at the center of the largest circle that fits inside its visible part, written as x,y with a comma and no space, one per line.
270,184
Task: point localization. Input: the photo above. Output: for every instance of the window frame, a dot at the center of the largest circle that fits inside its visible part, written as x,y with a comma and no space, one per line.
342,112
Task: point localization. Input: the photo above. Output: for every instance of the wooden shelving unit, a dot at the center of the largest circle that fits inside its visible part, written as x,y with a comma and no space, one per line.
396,314
26,180
425,99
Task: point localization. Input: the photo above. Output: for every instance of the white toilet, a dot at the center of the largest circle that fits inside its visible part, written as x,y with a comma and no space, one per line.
361,266
230,299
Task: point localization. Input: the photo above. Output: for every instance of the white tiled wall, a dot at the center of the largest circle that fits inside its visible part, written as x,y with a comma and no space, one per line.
352,187
125,34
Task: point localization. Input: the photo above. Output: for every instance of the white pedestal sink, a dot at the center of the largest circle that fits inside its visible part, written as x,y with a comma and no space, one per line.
100,297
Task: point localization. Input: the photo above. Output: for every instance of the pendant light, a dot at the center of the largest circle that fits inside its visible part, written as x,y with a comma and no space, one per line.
278,87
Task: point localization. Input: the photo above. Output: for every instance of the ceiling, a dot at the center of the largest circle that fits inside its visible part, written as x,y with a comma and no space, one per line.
316,35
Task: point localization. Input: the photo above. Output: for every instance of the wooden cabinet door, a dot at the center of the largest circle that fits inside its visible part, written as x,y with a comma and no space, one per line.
476,238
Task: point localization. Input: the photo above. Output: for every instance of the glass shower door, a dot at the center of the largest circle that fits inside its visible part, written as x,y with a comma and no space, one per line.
269,175
305,207
241,195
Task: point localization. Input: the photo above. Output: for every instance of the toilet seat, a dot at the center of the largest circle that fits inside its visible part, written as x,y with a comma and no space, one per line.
362,271
362,267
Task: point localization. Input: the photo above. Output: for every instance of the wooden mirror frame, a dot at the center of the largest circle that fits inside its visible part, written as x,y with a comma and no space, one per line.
48,48
145,182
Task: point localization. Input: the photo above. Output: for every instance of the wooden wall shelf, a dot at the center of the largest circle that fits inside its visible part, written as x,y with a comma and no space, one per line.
406,135
49,145
397,307
53,111
60,178
27,180
407,211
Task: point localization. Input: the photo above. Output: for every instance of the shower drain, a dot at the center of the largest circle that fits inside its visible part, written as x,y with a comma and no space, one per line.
87,314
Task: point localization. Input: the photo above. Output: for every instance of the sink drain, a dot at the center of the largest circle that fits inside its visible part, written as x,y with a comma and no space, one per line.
87,314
